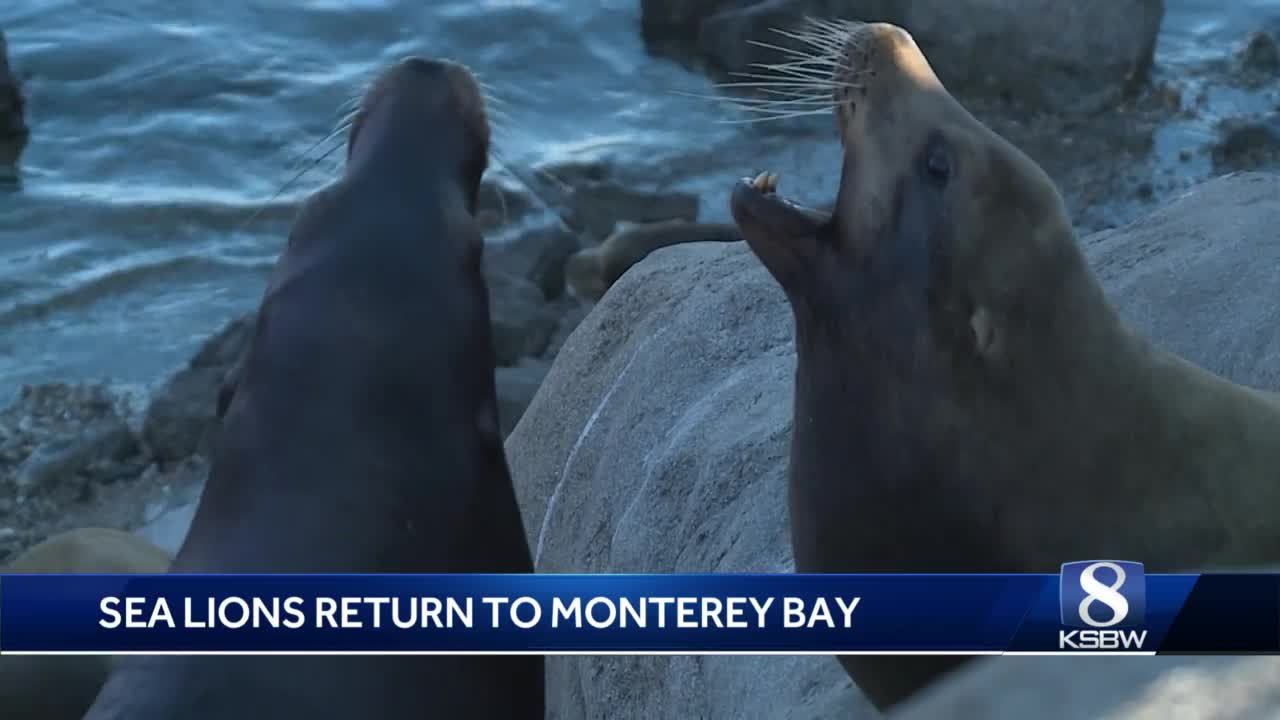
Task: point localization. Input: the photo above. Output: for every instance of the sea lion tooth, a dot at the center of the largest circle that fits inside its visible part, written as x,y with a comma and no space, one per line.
761,182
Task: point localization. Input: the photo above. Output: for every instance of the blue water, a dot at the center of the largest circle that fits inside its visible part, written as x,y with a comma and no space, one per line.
160,126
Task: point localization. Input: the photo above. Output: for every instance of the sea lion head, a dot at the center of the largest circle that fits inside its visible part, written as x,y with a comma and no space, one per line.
424,111
940,227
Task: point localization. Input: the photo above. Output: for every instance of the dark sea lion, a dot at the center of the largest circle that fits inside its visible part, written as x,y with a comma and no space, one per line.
590,272
966,398
36,687
362,435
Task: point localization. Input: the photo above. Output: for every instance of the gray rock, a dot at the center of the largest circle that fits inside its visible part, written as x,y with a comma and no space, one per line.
1198,276
56,430
596,206
1248,143
521,319
574,172
571,312
1067,56
1132,688
537,254
182,417
501,202
95,452
1260,57
659,440
516,387
226,346
628,454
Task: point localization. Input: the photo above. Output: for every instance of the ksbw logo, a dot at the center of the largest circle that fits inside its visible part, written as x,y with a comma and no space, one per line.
1106,600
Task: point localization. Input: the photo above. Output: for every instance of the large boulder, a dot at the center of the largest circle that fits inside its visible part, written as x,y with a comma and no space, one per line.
1065,55
658,442
1198,276
182,417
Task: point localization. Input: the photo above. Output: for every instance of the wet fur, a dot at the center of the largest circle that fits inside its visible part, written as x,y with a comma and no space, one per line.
362,433
957,353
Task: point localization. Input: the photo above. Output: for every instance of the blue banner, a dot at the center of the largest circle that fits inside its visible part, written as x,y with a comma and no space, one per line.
1100,606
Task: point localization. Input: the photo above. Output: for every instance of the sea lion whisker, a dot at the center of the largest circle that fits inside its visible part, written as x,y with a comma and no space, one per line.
491,97
797,93
810,45
783,110
296,177
812,98
782,116
812,63
532,187
777,72
780,108
784,99
500,163
838,23
766,103
827,42
825,83
804,75
800,54
779,87
497,117
842,30
302,157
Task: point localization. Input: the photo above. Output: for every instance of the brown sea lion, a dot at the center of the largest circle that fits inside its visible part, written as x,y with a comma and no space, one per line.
966,399
590,272
34,687
362,435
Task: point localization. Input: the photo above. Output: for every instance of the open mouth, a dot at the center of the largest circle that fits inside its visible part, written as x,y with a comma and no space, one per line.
755,203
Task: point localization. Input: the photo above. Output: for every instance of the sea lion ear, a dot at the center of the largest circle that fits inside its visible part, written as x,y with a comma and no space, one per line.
983,331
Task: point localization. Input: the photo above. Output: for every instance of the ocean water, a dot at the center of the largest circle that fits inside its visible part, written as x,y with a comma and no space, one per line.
163,130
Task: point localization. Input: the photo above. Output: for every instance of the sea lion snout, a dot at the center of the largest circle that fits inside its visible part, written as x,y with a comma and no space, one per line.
424,103
894,120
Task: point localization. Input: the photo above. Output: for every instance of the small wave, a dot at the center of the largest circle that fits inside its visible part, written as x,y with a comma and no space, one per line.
122,280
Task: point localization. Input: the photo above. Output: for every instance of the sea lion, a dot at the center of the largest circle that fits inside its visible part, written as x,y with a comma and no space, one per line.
966,398
35,687
362,434
590,272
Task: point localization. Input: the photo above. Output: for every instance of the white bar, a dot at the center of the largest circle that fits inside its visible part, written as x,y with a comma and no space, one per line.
571,653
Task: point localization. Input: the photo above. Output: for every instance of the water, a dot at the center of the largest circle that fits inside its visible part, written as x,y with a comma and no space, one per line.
160,127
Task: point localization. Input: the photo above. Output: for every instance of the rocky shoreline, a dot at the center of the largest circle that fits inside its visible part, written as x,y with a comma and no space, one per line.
99,454
75,454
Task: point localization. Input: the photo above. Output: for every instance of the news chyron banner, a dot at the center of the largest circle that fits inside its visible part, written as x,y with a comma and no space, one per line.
1103,606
